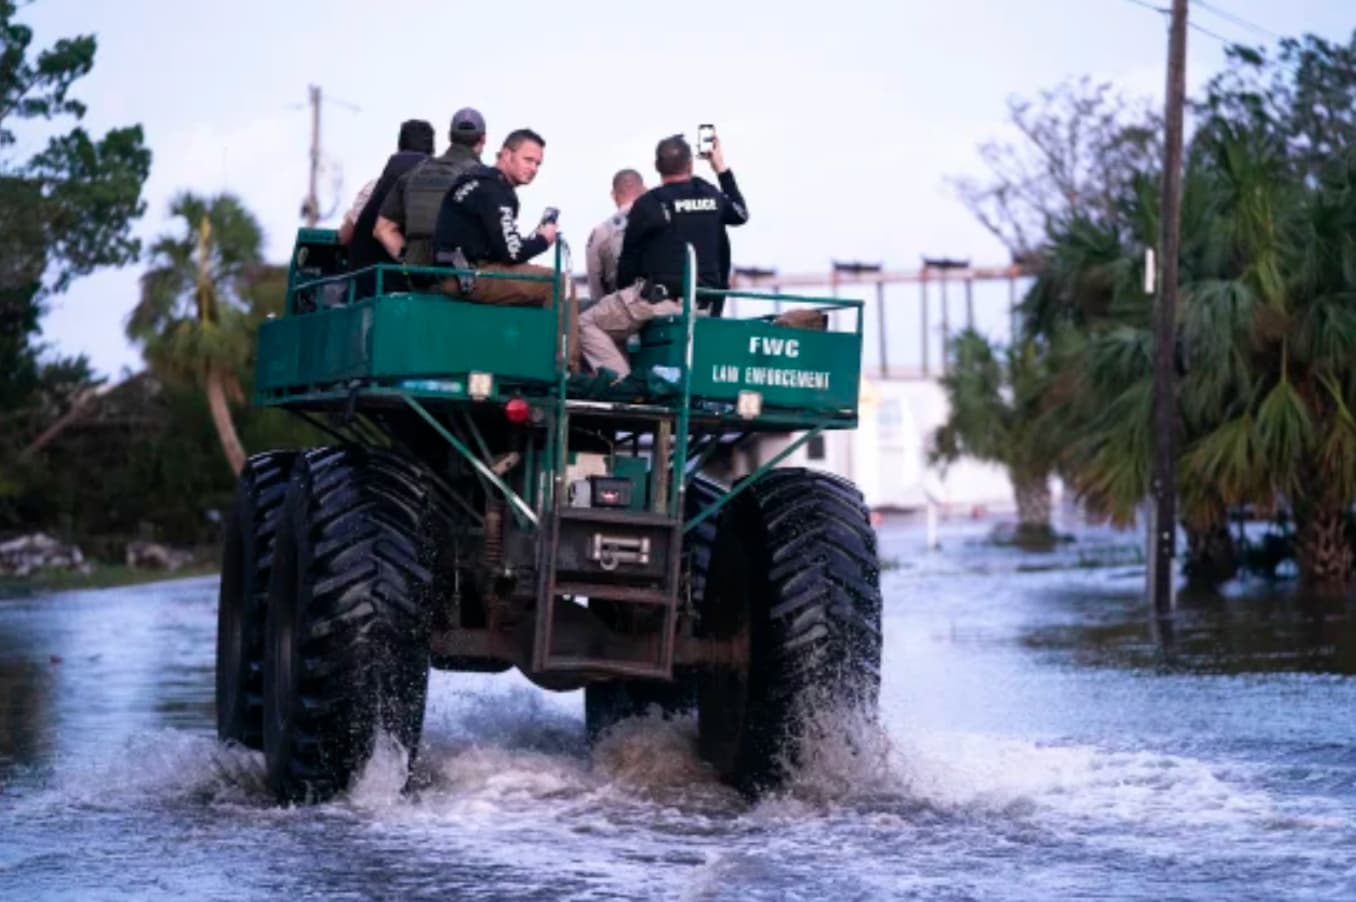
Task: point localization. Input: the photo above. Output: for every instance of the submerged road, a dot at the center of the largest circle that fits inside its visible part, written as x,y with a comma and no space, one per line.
1039,742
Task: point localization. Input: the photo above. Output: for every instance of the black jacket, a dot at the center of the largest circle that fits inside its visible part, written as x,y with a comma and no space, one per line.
364,249
480,216
666,218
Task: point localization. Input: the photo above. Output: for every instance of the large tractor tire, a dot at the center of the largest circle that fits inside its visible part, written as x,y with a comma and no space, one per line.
795,581
347,656
242,605
607,703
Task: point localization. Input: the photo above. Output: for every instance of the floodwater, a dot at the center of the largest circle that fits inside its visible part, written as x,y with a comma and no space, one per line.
1041,740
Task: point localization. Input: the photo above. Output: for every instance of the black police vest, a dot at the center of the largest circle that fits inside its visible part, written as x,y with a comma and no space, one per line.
364,249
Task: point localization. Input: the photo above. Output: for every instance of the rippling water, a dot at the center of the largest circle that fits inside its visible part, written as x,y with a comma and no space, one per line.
1041,740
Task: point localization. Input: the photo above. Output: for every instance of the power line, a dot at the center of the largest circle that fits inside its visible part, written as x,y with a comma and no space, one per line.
1237,19
1192,25
1210,34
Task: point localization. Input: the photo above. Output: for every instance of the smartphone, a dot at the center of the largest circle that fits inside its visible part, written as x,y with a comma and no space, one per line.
706,139
549,217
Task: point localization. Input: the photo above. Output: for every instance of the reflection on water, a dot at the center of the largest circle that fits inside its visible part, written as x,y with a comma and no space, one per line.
1259,629
25,710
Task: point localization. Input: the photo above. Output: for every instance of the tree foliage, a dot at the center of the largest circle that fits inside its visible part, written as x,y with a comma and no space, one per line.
191,316
1076,146
193,321
68,209
1266,333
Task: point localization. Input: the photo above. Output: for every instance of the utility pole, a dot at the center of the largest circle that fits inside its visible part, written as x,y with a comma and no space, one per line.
310,207
311,213
1164,518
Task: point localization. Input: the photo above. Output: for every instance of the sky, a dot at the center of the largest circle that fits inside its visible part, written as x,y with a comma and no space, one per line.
842,121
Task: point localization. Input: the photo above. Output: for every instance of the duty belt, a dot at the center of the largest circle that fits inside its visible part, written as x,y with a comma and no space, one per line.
457,260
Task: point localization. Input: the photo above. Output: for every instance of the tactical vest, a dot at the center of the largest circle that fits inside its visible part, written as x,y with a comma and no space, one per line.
424,191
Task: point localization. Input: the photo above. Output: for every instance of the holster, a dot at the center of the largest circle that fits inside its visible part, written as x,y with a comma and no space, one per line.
457,260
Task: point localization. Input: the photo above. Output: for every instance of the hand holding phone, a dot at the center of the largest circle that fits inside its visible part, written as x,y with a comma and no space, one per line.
706,140
549,217
708,147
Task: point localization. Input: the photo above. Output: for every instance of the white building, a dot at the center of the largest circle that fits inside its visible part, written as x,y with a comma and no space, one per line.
900,408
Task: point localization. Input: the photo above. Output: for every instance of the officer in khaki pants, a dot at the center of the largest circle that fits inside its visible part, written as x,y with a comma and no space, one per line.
605,327
661,223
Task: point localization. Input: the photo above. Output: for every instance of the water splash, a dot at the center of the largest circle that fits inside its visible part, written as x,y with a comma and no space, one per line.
847,757
651,752
382,781
158,767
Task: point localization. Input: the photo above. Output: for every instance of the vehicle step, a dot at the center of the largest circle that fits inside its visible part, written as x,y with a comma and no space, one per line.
609,665
618,516
636,594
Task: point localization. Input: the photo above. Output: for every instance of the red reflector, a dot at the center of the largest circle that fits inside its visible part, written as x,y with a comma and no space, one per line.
517,410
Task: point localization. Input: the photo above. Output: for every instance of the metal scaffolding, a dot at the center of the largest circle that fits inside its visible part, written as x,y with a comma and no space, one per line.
942,271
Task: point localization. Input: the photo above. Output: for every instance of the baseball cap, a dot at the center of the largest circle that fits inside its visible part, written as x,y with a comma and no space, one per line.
468,121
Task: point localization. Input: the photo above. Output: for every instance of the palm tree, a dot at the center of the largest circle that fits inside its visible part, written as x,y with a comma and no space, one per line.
1321,349
1291,436
191,321
994,397
1266,348
1266,336
1089,301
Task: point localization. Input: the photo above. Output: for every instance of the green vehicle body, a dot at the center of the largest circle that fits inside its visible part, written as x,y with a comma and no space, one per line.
552,522
454,364
390,340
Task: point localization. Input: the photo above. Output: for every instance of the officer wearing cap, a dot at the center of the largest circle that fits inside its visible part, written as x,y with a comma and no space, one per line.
409,213
605,241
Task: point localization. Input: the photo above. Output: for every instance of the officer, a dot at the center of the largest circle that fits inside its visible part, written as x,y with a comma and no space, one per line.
410,211
413,146
682,210
478,229
477,223
605,241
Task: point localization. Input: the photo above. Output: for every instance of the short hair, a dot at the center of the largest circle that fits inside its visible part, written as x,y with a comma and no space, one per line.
673,156
627,179
415,135
516,138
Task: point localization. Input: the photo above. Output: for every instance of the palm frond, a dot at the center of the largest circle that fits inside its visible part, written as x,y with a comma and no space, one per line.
1337,446
1227,458
1114,450
980,416
1326,331
1285,433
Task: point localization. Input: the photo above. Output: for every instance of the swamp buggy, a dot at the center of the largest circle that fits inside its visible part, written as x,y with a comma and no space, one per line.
479,508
